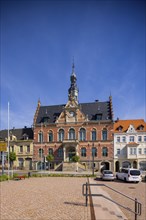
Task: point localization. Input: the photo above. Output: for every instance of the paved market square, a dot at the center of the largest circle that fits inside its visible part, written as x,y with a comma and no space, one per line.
45,198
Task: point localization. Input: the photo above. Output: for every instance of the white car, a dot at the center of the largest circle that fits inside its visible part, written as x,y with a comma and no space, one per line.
107,175
129,175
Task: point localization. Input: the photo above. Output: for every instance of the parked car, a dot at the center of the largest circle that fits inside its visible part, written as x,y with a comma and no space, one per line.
107,175
129,175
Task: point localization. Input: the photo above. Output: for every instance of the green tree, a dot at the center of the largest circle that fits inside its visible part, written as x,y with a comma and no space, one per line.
49,158
75,158
12,158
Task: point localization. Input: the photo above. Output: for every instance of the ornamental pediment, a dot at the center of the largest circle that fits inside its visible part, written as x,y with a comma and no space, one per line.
71,113
131,129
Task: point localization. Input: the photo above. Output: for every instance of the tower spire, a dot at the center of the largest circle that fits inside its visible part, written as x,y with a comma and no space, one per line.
73,90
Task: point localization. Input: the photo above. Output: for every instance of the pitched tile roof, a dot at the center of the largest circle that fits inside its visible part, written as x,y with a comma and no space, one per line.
126,123
19,133
93,109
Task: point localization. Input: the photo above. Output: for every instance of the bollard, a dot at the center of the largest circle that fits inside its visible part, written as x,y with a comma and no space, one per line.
29,174
135,209
86,194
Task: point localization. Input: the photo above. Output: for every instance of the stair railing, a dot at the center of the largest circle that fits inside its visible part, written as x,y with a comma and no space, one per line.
86,193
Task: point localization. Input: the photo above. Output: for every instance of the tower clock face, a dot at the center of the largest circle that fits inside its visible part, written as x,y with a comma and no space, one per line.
72,114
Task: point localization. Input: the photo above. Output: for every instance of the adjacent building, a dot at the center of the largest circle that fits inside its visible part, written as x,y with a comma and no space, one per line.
66,130
20,142
130,144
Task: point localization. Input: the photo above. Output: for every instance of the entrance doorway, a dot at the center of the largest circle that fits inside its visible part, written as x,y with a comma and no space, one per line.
70,153
104,166
117,166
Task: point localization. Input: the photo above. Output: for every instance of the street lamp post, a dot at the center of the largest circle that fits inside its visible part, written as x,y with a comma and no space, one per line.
93,159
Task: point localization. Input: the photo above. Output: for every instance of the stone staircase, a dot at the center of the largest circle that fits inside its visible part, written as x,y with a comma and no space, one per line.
69,166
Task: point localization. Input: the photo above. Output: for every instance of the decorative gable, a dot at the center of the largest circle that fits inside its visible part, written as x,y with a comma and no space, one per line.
131,129
71,113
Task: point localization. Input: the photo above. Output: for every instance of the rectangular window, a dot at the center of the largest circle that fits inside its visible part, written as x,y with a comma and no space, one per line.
133,150
28,149
60,152
83,152
93,135
94,152
50,136
144,138
139,138
145,150
140,151
12,148
40,137
124,139
118,139
118,151
131,139
21,149
50,151
104,135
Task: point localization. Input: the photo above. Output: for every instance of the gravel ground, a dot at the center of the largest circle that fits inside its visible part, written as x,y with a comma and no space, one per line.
132,190
46,198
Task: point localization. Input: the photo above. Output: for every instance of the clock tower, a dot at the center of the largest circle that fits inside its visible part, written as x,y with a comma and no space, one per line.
73,90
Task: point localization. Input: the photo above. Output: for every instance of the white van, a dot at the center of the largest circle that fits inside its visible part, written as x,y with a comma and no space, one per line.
129,175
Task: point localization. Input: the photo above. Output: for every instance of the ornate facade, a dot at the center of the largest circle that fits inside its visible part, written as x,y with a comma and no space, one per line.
66,130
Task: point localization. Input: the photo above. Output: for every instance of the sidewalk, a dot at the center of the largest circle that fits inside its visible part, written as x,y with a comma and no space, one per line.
103,208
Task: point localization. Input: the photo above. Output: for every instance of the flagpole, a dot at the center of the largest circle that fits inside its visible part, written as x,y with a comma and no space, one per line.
8,143
41,146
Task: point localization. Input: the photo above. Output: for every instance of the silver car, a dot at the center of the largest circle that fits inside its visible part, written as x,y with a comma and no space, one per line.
107,175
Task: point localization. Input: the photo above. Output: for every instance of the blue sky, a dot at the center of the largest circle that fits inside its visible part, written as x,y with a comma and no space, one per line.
39,40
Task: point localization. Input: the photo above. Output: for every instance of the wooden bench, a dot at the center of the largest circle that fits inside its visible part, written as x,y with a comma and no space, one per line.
19,178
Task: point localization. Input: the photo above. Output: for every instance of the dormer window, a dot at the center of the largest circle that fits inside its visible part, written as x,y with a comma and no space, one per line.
120,128
25,137
98,116
46,119
140,127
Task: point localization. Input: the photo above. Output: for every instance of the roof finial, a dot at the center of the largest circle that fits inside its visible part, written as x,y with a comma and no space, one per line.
39,102
73,65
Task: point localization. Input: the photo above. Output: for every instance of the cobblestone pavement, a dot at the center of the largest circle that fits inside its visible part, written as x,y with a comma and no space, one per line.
132,190
46,198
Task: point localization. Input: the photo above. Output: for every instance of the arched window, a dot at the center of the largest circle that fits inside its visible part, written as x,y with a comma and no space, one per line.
83,152
50,136
50,151
61,135
104,152
41,152
71,134
82,134
104,134
94,134
94,151
40,136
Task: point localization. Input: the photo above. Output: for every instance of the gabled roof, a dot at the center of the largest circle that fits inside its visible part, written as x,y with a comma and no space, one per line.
50,113
126,123
19,133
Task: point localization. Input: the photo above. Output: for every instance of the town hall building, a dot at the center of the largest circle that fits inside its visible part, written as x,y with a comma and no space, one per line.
74,128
